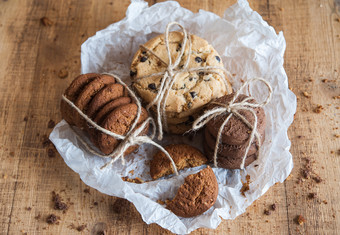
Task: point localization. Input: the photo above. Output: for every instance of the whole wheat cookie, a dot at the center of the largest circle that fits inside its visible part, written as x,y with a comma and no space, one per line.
104,96
103,112
86,95
197,194
191,90
72,93
119,121
182,154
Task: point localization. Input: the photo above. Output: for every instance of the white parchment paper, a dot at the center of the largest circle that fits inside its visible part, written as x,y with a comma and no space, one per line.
249,48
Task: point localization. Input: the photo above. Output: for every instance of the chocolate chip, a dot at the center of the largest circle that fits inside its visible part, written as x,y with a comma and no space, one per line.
267,212
198,59
132,73
193,94
179,47
218,58
190,79
152,86
201,73
143,59
273,207
189,105
143,52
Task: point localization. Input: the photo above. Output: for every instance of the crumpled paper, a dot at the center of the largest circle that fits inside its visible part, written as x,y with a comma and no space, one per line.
249,48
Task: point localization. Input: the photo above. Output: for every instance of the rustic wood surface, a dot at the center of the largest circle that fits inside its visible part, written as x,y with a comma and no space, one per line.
32,56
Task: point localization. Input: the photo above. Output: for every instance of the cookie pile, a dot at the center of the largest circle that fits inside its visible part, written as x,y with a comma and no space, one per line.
191,90
105,102
235,135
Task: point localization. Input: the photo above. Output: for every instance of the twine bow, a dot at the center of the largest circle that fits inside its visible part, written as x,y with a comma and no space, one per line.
231,109
131,138
170,75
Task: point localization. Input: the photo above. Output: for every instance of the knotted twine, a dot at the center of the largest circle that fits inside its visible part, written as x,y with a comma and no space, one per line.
132,136
170,75
231,109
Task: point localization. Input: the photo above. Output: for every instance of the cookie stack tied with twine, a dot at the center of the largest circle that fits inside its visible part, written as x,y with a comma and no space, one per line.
176,74
114,117
234,128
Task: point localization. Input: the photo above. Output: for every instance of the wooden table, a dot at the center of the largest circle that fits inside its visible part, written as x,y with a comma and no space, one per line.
33,58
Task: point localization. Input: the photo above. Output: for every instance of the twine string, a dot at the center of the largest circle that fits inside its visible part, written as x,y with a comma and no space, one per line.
169,76
233,108
131,138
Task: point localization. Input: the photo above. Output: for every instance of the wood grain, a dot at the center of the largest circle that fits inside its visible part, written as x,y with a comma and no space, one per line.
31,57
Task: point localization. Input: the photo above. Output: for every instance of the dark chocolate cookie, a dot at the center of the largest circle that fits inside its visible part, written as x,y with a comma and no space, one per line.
228,162
197,194
235,132
230,150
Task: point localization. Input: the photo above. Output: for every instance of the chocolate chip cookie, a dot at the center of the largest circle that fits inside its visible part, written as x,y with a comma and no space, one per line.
191,90
182,154
197,194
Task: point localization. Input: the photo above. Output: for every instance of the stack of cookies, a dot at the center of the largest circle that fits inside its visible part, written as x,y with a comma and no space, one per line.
191,90
235,135
105,102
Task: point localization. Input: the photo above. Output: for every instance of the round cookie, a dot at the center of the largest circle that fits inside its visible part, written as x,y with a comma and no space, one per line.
191,90
102,113
197,194
183,156
72,93
230,150
119,121
89,91
105,95
235,132
230,162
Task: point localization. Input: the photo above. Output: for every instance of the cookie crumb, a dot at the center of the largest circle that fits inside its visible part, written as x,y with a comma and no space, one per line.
267,212
46,21
300,220
63,73
312,195
81,227
317,179
306,94
136,180
273,207
87,191
58,204
245,186
52,219
11,154
318,109
50,153
51,124
120,205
